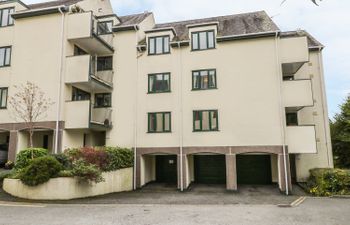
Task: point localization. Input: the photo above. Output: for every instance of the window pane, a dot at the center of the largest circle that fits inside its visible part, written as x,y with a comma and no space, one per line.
152,46
167,122
7,56
159,45
104,63
152,122
4,18
2,56
211,42
159,122
3,99
197,121
195,41
166,82
166,45
109,26
203,40
213,119
205,120
204,80
10,17
212,79
196,80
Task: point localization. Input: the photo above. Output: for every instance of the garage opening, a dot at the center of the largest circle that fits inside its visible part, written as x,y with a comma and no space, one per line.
166,169
209,169
4,145
254,169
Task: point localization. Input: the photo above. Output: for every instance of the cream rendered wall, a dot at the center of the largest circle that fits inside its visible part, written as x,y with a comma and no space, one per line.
248,109
99,7
317,115
148,169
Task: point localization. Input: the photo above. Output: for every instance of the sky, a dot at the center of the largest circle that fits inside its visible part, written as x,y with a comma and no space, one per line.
329,23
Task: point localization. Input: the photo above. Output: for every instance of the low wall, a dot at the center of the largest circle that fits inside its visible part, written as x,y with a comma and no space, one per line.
65,188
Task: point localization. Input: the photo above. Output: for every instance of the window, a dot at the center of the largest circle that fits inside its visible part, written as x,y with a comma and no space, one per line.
292,119
104,63
104,27
158,83
289,77
5,17
79,51
159,122
103,100
158,45
203,79
205,120
79,95
3,98
203,40
5,56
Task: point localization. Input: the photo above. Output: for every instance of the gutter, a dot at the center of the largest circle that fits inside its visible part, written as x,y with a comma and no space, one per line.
40,12
248,36
126,28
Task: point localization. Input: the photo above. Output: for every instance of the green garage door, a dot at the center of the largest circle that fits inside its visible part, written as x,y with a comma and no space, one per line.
210,169
254,169
166,169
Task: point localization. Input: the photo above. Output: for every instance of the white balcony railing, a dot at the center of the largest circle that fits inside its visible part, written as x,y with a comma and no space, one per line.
297,93
301,139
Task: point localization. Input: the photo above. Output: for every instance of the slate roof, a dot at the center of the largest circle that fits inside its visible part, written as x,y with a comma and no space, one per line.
238,24
312,42
53,3
134,19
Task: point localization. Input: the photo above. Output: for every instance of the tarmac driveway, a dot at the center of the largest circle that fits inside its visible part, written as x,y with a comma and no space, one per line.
196,195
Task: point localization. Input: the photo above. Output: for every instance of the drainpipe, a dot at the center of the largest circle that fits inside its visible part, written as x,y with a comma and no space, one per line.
181,124
282,113
59,90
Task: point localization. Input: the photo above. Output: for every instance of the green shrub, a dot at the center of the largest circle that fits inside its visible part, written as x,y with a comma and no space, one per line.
40,170
5,174
65,173
64,160
25,156
119,158
327,182
86,171
9,165
73,153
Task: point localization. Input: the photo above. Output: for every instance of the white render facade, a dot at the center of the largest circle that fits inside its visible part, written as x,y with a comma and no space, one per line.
202,101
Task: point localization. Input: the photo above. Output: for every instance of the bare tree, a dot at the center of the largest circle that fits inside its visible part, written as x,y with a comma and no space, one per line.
29,105
314,1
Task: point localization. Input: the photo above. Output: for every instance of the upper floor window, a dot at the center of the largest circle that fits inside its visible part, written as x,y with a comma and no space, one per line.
158,45
104,27
5,17
3,98
203,79
80,95
159,122
5,56
205,120
292,119
105,63
203,40
103,100
79,51
158,83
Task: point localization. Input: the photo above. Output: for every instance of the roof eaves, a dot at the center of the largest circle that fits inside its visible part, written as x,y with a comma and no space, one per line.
39,12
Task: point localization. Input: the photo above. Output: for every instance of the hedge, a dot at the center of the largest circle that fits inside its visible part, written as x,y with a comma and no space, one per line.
25,156
328,182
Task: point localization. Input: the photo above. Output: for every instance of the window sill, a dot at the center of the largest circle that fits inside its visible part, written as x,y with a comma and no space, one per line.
163,132
102,107
163,92
7,26
200,50
208,89
166,53
3,108
5,66
198,131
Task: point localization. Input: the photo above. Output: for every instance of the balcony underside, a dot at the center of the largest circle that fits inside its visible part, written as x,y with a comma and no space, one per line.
290,69
94,85
94,44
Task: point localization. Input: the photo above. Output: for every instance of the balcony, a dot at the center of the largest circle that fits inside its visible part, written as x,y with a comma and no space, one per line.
83,115
297,94
301,139
82,72
294,53
82,31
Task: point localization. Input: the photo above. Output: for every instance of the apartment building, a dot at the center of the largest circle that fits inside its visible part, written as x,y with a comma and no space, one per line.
226,100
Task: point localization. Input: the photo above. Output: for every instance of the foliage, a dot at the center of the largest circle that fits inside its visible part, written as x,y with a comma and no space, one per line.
29,105
9,165
40,171
93,156
65,173
63,159
340,132
86,171
119,158
5,174
25,156
327,182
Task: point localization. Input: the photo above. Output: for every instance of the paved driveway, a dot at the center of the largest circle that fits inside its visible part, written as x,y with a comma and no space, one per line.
197,195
